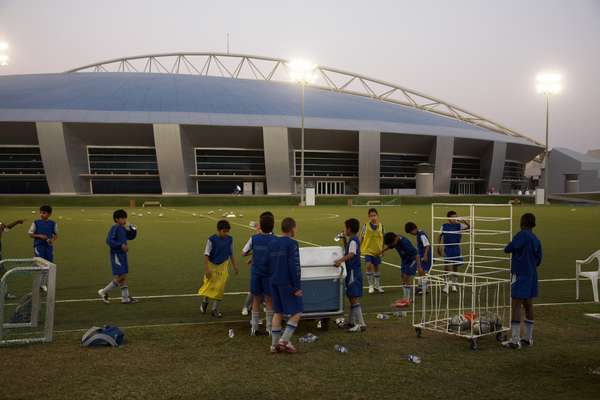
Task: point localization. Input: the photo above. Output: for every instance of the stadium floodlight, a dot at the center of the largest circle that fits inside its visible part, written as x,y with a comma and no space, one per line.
548,84
4,60
3,46
302,72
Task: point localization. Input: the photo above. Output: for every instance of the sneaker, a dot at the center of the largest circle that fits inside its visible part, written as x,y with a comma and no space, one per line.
379,289
131,300
245,311
371,290
286,347
357,329
103,296
527,343
44,288
511,344
446,289
454,288
216,314
203,307
274,350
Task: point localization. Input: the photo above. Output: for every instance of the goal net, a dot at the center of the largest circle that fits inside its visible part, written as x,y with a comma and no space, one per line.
27,297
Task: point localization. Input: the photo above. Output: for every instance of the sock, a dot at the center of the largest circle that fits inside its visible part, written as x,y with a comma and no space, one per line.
370,278
424,285
205,302
275,336
216,305
255,320
377,277
406,290
516,330
358,315
529,329
289,331
125,292
248,302
112,285
351,320
269,320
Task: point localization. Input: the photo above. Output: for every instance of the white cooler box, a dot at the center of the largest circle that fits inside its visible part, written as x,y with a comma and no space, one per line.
322,282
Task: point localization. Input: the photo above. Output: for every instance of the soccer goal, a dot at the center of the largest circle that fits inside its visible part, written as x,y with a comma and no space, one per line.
27,297
146,204
474,300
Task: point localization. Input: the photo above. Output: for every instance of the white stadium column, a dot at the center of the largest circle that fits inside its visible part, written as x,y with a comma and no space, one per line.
492,165
278,160
175,157
64,157
443,154
369,149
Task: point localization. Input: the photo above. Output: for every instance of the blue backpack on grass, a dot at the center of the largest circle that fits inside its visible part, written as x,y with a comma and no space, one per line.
106,336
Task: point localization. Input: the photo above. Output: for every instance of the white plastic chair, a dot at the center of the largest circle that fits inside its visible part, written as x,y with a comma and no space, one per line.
591,275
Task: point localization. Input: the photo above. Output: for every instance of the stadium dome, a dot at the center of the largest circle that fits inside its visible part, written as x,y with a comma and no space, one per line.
133,125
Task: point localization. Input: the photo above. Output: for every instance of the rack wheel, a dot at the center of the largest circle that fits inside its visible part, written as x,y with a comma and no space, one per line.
473,343
325,324
418,331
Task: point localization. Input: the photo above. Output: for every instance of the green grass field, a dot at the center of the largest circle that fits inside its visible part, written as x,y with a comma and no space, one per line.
173,351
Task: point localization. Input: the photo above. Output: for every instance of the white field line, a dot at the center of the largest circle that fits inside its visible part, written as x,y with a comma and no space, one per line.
226,322
173,296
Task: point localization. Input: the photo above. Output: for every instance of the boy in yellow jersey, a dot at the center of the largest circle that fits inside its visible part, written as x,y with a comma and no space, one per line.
371,239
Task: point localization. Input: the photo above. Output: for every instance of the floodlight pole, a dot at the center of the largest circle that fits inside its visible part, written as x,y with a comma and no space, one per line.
302,200
547,154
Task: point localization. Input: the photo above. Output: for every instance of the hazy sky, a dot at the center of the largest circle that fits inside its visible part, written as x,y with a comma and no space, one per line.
481,55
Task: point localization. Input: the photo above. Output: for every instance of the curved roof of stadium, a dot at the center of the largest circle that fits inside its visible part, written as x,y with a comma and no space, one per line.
129,97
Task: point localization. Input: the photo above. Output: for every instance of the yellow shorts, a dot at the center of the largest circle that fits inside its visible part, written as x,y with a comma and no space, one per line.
214,288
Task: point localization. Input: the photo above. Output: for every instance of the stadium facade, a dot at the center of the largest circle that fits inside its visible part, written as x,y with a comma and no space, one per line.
200,123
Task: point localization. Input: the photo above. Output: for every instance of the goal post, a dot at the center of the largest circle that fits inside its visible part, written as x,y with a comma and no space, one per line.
27,299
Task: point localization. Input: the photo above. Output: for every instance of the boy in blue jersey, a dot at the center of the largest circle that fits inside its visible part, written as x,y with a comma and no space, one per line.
286,290
526,256
451,237
260,275
117,238
218,254
44,233
354,286
411,262
424,251
4,228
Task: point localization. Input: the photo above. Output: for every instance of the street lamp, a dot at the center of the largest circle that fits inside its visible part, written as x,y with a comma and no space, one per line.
548,83
3,56
302,72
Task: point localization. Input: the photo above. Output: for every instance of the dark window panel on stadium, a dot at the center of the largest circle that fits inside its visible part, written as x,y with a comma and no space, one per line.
327,164
466,168
400,165
230,162
123,170
22,170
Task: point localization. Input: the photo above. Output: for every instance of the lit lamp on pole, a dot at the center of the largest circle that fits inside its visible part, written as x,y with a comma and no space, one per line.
302,72
3,54
548,84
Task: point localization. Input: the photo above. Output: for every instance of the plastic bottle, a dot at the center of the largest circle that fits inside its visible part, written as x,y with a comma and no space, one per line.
383,316
414,359
231,334
308,338
340,349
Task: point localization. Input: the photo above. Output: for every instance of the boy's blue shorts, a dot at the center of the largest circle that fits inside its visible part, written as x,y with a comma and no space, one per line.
523,287
284,301
45,252
373,260
354,285
260,285
409,269
118,262
452,255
